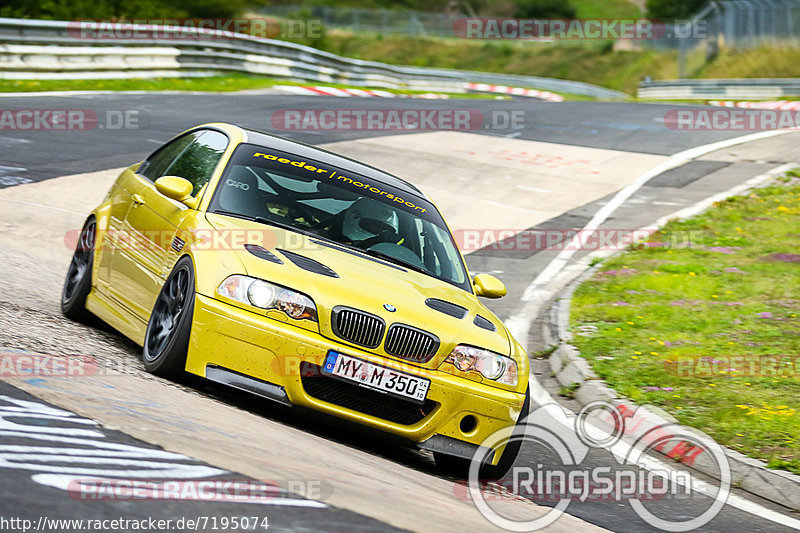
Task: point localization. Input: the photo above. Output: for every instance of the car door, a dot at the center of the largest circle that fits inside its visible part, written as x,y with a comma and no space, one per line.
140,265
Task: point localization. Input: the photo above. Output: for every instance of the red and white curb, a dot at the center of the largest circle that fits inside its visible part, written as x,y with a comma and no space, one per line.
515,91
777,104
320,90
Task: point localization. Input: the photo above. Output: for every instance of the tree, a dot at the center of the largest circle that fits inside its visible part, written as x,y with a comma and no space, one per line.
673,9
543,9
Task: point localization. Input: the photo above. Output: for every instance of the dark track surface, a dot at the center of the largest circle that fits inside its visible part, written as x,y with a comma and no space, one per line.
46,154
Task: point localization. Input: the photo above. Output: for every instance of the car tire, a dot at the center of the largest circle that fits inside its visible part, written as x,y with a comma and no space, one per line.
78,283
167,337
459,467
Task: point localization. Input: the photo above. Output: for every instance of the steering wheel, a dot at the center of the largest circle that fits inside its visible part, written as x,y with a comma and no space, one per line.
305,213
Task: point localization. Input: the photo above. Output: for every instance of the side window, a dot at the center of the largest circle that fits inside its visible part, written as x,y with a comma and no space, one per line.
156,165
193,156
199,159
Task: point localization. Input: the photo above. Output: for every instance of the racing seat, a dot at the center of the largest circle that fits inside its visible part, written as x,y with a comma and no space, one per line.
239,193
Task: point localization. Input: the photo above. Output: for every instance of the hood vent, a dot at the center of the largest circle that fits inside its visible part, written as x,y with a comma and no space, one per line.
484,323
308,264
262,253
447,308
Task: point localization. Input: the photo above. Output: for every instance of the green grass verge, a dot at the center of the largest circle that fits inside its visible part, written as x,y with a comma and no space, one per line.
605,9
590,61
705,322
222,83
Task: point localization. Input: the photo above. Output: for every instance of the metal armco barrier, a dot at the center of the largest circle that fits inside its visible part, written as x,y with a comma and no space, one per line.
737,89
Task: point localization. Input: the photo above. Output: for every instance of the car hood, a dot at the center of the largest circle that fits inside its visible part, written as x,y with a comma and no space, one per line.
364,283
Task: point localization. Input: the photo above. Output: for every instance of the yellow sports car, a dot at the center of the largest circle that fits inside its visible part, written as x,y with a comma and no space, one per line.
306,278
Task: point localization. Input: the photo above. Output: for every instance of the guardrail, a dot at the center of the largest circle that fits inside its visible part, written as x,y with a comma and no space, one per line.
35,49
737,89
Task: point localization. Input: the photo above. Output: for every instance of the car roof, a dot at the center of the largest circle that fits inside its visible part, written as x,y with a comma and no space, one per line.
312,152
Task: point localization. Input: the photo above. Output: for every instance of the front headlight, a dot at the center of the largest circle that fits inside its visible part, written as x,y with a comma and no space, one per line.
265,295
490,365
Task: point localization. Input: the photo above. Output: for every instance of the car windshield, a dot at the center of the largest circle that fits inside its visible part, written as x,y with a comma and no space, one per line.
316,198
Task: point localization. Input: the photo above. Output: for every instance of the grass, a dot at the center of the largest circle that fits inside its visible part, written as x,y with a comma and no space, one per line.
593,62
211,83
605,9
569,391
221,83
704,322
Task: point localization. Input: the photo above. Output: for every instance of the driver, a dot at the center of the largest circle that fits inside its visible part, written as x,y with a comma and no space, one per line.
368,222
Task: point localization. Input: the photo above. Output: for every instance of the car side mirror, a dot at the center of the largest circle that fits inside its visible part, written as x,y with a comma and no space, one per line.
488,286
175,187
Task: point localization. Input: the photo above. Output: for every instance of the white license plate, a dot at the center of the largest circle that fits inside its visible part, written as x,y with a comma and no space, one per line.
376,377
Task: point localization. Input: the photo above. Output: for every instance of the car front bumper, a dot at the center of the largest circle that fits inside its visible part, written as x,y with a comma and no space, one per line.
279,353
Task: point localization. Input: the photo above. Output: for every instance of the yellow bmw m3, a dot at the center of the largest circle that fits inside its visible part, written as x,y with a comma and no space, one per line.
306,278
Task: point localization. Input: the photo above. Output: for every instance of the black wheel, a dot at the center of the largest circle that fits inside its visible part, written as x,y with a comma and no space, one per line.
458,467
167,337
79,275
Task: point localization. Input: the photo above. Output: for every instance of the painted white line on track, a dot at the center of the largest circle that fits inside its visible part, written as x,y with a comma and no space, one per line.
34,204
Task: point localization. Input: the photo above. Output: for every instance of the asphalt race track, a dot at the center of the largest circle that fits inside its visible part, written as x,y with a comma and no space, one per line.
324,476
